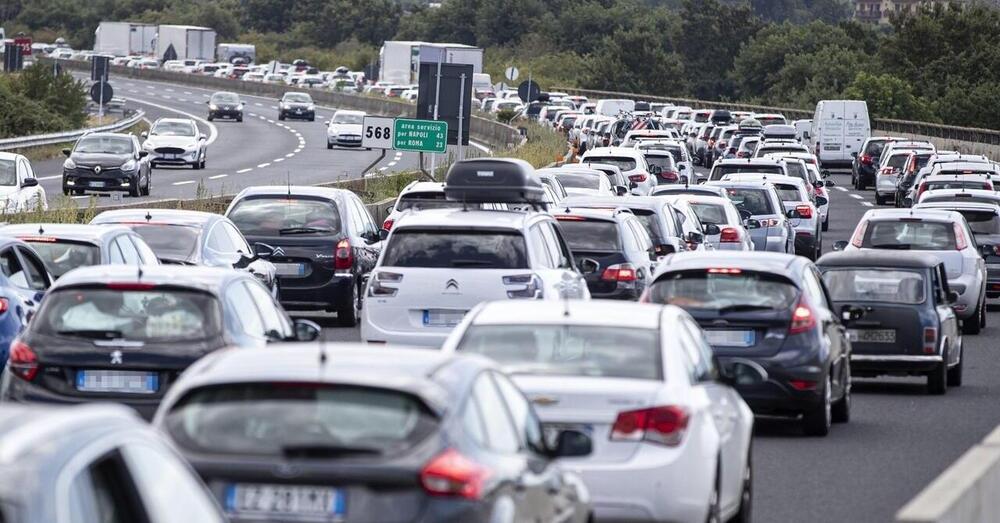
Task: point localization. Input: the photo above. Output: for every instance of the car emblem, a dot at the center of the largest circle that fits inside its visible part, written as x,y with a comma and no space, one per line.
116,357
278,251
97,169
451,285
285,470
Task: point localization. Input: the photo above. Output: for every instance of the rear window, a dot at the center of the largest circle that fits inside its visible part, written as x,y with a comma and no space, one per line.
770,120
665,163
456,249
788,193
720,171
910,235
710,213
623,163
724,290
154,315
890,286
170,243
569,350
299,420
755,201
982,222
579,181
897,161
953,184
874,147
61,257
797,170
280,215
590,235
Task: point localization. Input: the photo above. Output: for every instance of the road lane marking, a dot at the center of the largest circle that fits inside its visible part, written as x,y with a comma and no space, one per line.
187,92
241,171
217,176
390,164
857,197
289,155
276,160
213,132
258,104
867,204
50,177
263,165
169,90
841,189
185,182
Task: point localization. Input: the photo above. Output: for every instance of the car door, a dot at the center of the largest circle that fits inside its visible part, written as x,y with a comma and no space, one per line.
99,487
169,490
563,275
369,246
946,314
834,332
242,319
27,284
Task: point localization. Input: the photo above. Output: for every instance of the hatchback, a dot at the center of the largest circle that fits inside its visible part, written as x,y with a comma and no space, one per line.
23,283
612,249
761,201
64,247
631,163
865,165
733,229
984,221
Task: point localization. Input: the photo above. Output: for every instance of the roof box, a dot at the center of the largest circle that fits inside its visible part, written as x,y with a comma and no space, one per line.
493,180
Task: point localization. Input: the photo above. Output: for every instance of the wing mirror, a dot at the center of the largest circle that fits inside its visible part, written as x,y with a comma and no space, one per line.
711,229
740,372
67,152
953,296
695,237
29,182
752,223
829,183
144,134
849,313
821,201
306,330
621,190
793,214
143,154
263,250
840,245
572,443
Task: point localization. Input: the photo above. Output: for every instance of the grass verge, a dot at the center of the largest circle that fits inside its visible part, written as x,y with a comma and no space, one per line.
48,152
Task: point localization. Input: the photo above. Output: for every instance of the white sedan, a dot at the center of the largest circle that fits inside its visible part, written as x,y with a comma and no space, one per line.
19,189
344,129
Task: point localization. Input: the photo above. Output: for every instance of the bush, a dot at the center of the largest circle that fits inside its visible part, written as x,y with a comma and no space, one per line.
36,102
506,115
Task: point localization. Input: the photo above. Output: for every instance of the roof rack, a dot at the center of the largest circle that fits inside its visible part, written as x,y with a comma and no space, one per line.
494,180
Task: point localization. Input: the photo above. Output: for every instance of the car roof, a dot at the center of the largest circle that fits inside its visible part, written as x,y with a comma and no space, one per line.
293,190
106,134
463,219
700,198
63,231
630,202
435,187
955,205
963,165
755,184
668,190
350,111
924,214
209,279
5,155
972,193
773,178
174,120
574,312
878,258
760,261
161,216
22,427
956,176
609,151
590,213
748,161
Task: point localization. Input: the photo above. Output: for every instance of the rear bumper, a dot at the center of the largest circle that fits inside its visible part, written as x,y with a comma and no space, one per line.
17,390
329,295
426,337
993,283
805,243
775,396
880,364
308,115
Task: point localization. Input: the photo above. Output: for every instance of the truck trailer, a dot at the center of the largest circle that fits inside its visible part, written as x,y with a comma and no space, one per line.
399,61
183,42
125,39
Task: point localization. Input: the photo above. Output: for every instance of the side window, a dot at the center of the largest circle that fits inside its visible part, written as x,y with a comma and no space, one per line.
219,240
168,489
703,347
629,241
366,217
237,239
645,243
357,220
104,492
274,322
557,246
129,254
239,299
36,270
472,422
525,421
115,256
539,247
701,364
814,289
10,265
502,437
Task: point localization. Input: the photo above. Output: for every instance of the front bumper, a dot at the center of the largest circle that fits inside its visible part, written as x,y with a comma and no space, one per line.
185,158
226,113
292,113
118,181
344,141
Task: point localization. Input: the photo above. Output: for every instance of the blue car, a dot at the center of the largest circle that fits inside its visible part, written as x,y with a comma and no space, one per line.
23,282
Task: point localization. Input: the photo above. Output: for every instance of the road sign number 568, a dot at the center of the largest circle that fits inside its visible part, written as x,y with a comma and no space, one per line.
379,133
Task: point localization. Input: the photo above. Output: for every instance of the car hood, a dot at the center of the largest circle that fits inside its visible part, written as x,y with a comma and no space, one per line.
187,142
102,159
345,128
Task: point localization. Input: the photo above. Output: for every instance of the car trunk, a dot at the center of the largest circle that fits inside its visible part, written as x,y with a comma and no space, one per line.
604,259
750,333
302,261
886,328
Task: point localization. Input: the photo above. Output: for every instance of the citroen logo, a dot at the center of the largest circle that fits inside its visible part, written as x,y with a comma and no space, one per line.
116,357
451,285
97,169
278,251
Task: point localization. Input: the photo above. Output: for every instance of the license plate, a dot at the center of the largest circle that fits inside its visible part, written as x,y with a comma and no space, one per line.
736,338
831,147
298,110
296,500
872,335
169,156
290,269
442,318
128,382
97,184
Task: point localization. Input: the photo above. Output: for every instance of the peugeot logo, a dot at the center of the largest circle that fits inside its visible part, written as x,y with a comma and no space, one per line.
278,251
97,169
116,357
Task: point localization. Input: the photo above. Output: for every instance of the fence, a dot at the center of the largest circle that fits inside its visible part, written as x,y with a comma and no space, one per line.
68,136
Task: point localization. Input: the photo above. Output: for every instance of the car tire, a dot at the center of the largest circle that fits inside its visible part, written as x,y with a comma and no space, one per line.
196,165
826,223
204,160
878,199
817,421
134,191
329,145
974,325
149,182
239,118
745,513
937,379
210,118
281,116
312,118
841,410
714,501
66,190
955,373
348,316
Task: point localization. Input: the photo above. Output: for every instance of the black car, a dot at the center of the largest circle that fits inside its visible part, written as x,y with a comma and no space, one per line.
225,105
103,162
116,333
344,433
664,223
721,117
611,248
898,308
296,105
323,244
772,310
67,246
864,165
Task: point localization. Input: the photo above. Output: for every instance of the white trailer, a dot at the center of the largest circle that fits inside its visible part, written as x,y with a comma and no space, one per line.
229,52
125,39
188,42
399,61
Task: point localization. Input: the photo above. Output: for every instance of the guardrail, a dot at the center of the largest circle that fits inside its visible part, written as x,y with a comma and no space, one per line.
68,136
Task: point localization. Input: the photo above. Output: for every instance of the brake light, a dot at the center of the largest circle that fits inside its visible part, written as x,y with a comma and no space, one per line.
923,187
130,286
343,257
387,224
960,241
803,319
859,234
805,211
619,272
988,186
565,218
665,425
770,222
637,178
669,176
930,340
724,270
866,159
452,474
729,235
803,384
23,360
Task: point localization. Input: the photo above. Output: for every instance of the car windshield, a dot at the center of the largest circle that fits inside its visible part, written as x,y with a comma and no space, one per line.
623,163
61,256
710,213
982,222
152,315
225,98
281,215
721,171
300,98
8,172
104,144
724,289
569,350
170,243
580,181
299,420
910,234
344,118
883,285
173,129
590,235
755,201
456,249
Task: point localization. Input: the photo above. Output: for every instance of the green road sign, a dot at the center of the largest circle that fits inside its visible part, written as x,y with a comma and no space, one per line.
426,136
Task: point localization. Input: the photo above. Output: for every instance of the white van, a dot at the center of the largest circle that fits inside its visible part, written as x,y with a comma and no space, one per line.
839,128
613,107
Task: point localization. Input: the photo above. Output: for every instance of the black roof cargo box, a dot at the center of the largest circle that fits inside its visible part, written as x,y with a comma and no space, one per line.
493,180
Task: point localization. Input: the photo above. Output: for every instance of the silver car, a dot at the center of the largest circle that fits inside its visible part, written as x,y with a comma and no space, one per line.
734,229
800,207
945,234
175,141
761,201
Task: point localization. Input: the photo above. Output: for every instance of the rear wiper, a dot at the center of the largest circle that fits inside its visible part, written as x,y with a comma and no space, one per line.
470,263
95,334
303,230
743,307
325,451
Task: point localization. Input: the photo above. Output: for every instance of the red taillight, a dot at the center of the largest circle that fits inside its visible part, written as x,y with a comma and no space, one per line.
665,425
803,319
930,340
960,242
866,159
620,272
820,191
4,305
859,234
23,361
387,224
452,474
923,187
669,176
803,384
724,270
729,235
988,186
637,178
343,258
805,211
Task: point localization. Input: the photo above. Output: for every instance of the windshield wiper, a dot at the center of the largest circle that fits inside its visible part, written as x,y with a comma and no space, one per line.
303,230
95,334
743,307
326,451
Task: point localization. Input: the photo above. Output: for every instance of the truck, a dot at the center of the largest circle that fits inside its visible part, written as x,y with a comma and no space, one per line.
399,61
839,128
229,52
125,39
182,42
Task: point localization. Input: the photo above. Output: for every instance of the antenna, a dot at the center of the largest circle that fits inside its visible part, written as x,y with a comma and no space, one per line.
288,183
148,216
41,230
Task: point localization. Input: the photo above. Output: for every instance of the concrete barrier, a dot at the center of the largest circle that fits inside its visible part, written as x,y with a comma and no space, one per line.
968,491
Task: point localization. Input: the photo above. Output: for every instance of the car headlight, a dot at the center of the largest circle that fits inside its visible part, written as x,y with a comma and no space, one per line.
213,107
283,105
69,164
310,107
128,166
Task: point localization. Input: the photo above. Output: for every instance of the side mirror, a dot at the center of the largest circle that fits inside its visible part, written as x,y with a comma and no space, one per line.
383,234
829,183
821,201
849,313
588,266
985,250
208,102
854,154
741,372
143,154
744,214
953,296
752,224
372,237
824,173
67,152
840,245
711,229
306,330
793,214
695,237
29,182
144,134
328,123
683,167
621,190
263,250
572,443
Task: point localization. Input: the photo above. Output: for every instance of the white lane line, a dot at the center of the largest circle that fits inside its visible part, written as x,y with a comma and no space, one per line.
867,204
130,84
276,160
50,177
241,171
274,107
258,104
270,120
263,165
217,176
298,150
182,99
187,92
841,189
251,114
289,155
169,90
132,91
382,169
213,132
206,95
390,164
150,87
167,97
857,197
185,182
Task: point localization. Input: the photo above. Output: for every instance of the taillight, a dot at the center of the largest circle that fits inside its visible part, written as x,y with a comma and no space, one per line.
729,235
664,425
820,191
669,176
866,159
23,361
529,286
637,178
803,319
988,186
619,272
803,385
770,222
960,242
452,474
343,257
859,234
930,340
387,224
4,305
923,187
805,211
377,287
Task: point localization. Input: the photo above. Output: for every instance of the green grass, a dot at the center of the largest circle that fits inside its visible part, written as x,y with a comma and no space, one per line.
48,152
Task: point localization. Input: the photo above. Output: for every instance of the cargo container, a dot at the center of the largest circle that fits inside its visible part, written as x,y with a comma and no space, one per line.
229,52
399,61
187,42
125,39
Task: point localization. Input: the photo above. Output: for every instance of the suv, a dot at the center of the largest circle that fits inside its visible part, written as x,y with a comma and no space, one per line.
106,162
296,105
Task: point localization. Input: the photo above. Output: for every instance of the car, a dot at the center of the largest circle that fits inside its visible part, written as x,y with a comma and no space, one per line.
760,199
957,169
747,146
115,333
23,284
551,182
677,149
984,221
105,162
323,243
734,230
839,127
699,143
914,145
707,190
610,369
634,137
97,463
631,163
941,233
766,119
296,105
889,172
175,141
344,129
939,182
421,195
418,433
765,147
440,263
618,180
180,237
800,166
224,104
899,315
911,170
19,188
613,246
772,310
662,166
800,207
962,195
779,132
64,247
722,168
664,223
585,181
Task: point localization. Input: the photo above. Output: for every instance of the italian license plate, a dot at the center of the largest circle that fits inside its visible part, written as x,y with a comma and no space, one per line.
291,500
169,156
730,338
97,184
442,318
129,382
290,269
872,335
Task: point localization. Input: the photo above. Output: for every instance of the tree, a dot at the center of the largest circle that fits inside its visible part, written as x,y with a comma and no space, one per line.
888,97
635,61
710,37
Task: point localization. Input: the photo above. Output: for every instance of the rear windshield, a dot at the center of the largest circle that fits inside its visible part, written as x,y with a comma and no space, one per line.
911,234
897,161
755,201
579,181
710,213
569,350
61,257
665,163
154,315
891,286
280,215
590,235
770,120
623,163
299,420
724,290
797,170
170,243
875,147
954,184
982,222
456,249
788,193
720,171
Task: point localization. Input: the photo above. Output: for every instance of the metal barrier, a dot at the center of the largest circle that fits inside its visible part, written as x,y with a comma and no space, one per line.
68,136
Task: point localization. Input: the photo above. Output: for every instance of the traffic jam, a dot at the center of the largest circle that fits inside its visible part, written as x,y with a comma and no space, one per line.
589,341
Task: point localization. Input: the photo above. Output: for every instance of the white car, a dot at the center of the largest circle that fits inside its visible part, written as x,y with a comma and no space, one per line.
19,189
888,173
734,232
421,196
631,162
583,181
671,440
175,141
344,129
440,263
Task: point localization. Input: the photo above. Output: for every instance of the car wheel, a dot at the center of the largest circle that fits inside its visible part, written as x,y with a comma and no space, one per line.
974,324
149,182
955,373
204,158
66,190
348,316
816,422
196,165
826,223
329,145
133,191
210,117
878,199
746,493
841,411
714,502
281,116
937,379
239,118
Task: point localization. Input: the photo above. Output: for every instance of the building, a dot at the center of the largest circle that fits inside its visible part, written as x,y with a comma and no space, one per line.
880,11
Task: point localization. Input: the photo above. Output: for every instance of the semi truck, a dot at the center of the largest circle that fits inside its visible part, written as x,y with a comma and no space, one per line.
227,53
399,61
185,42
125,38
